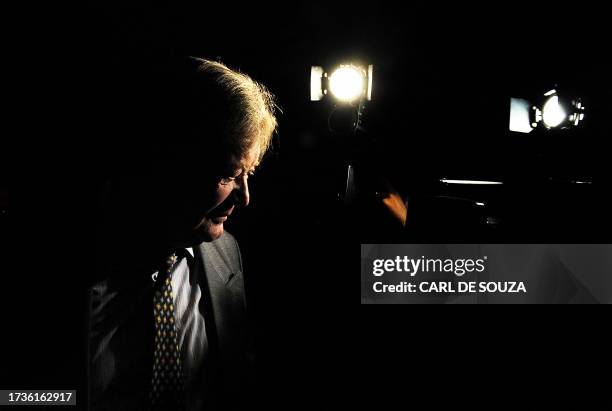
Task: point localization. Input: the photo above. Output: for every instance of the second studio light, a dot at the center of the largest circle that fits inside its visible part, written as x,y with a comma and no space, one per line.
553,111
558,112
347,83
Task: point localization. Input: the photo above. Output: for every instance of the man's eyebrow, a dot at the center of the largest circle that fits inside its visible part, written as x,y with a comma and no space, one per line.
240,167
245,166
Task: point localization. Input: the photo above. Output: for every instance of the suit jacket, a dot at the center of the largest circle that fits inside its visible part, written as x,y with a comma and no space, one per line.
226,319
121,337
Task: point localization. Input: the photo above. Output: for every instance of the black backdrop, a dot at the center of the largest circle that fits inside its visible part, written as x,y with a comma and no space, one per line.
443,77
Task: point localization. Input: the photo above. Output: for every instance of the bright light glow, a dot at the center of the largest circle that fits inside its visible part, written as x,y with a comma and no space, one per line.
552,112
347,83
316,92
476,182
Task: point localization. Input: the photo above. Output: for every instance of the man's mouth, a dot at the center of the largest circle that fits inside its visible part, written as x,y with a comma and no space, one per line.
222,216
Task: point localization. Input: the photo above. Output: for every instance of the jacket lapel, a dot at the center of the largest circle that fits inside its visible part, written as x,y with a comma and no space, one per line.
222,284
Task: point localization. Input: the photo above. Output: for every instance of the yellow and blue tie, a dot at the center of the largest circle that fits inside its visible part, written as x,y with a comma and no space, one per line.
167,379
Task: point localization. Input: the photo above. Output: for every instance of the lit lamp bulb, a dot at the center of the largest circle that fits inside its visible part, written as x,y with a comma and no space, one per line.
553,113
347,83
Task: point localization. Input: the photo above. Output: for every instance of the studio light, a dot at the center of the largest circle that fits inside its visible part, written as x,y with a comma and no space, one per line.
347,83
561,113
558,111
553,111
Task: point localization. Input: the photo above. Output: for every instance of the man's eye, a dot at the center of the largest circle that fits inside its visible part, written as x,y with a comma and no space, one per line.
226,180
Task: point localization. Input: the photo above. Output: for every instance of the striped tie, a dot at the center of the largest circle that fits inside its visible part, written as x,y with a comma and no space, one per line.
167,381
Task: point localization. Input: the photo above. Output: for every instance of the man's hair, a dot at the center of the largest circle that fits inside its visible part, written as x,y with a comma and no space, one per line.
173,118
185,115
212,108
249,108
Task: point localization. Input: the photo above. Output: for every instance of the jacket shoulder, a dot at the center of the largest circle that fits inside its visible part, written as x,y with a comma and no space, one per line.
225,248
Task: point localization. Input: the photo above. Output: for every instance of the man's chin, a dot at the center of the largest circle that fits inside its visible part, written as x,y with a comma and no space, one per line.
209,231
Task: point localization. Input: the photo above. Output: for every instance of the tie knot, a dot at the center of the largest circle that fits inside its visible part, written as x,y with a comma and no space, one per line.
171,261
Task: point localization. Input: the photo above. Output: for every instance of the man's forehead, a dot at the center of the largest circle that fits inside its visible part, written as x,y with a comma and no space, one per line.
248,161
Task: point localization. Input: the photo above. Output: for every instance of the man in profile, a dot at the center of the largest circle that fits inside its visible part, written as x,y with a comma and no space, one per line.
167,320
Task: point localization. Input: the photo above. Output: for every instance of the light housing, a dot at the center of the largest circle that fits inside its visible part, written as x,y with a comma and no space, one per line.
347,83
557,111
554,110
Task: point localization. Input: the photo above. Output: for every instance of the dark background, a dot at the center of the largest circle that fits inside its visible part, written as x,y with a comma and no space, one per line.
443,78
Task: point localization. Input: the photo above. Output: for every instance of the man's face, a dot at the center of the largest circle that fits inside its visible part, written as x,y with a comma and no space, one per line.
209,201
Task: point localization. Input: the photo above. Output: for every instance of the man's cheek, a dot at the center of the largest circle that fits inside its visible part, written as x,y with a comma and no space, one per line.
203,203
220,197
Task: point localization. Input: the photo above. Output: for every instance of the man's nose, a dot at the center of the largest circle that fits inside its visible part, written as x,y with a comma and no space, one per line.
241,192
